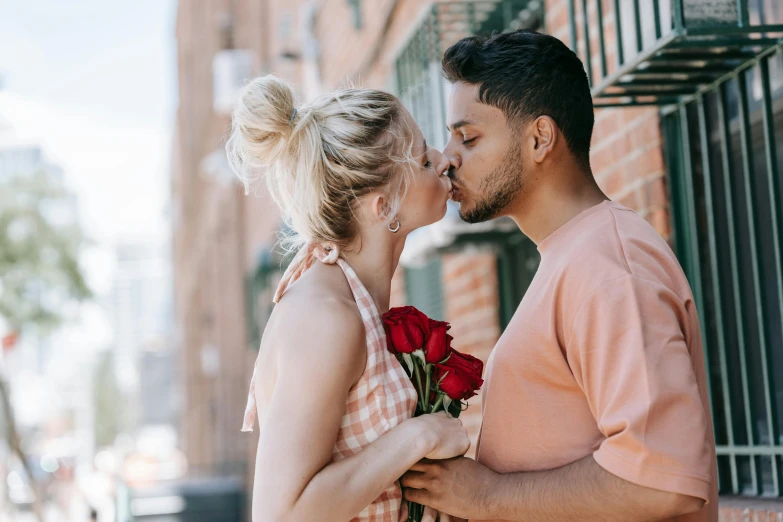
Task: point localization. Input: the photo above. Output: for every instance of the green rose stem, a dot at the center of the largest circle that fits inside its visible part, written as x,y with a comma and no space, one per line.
416,511
428,370
437,403
417,373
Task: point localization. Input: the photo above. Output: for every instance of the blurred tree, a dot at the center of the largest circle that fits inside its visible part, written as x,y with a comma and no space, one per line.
39,248
39,269
110,406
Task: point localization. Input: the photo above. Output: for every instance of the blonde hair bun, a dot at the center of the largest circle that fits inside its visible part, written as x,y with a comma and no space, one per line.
319,159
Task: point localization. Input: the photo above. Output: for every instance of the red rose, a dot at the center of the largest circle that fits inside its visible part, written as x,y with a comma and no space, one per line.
439,342
406,329
461,375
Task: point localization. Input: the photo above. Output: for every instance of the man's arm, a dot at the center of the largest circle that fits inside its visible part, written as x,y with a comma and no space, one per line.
582,490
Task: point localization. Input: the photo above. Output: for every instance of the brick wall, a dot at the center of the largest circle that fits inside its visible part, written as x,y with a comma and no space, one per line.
626,155
750,510
471,297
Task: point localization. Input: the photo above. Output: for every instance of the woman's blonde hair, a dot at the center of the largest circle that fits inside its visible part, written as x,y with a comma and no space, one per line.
319,158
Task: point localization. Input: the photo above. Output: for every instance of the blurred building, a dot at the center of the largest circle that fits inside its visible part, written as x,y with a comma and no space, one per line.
143,324
50,402
689,124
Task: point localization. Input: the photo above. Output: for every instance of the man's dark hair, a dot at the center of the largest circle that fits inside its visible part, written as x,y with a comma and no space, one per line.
526,74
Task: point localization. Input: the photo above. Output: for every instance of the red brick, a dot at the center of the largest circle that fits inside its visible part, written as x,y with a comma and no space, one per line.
651,161
630,200
557,18
656,193
612,184
659,219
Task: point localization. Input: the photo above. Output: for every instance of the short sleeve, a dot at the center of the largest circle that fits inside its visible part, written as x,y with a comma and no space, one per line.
627,349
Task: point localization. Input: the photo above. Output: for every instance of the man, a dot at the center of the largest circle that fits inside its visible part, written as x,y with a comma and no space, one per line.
595,403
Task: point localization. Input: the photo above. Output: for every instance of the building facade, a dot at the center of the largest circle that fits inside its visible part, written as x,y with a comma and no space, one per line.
689,121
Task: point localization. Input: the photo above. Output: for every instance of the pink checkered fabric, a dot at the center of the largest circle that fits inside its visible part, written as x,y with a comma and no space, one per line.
383,397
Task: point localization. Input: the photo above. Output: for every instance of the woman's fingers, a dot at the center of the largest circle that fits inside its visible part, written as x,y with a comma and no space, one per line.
430,515
404,512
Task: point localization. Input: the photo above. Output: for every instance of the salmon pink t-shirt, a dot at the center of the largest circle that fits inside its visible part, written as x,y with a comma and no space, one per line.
604,357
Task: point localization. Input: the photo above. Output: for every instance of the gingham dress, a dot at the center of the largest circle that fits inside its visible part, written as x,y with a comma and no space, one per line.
383,397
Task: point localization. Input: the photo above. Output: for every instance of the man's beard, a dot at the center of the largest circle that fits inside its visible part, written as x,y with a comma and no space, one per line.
499,189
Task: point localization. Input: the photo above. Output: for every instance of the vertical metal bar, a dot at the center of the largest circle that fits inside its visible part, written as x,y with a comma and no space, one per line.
472,17
755,245
717,292
601,43
619,30
729,192
638,20
743,14
402,73
586,26
507,15
572,25
657,19
693,232
425,105
437,55
762,12
776,219
679,16
506,284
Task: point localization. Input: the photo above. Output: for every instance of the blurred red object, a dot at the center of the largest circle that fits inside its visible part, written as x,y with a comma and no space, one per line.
9,341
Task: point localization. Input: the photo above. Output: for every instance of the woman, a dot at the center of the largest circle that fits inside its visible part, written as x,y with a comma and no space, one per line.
354,177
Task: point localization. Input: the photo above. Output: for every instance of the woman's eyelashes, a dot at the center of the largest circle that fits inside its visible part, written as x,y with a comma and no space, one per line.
468,141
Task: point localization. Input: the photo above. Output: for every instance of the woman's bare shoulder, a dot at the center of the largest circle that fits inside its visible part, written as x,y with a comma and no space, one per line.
316,317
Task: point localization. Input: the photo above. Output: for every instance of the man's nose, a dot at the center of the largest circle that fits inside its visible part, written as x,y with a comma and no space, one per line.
450,155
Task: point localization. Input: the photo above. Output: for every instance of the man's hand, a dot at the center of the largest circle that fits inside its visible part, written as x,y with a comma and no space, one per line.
582,490
456,486
430,515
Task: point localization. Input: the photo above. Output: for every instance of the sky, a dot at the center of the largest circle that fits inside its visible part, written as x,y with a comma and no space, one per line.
94,82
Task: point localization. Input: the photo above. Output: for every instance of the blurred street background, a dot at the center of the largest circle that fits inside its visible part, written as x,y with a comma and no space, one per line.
136,276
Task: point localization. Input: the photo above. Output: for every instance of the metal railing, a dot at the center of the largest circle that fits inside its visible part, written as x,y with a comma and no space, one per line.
652,52
722,154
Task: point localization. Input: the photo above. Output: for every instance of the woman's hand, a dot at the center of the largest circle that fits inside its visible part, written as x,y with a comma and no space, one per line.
447,436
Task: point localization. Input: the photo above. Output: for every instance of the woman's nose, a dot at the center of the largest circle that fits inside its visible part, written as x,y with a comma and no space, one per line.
445,163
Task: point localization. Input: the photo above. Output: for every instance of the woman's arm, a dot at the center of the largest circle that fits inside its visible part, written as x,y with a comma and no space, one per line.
322,354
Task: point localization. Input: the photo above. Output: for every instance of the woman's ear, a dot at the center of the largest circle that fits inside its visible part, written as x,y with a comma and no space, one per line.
379,207
545,133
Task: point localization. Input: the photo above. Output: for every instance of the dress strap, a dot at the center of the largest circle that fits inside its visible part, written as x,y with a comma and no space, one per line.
327,253
305,258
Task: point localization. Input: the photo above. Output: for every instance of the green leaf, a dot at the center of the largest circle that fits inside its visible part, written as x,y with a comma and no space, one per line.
409,362
455,408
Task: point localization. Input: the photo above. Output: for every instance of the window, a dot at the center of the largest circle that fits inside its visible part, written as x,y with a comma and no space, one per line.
518,260
724,162
419,82
424,289
424,92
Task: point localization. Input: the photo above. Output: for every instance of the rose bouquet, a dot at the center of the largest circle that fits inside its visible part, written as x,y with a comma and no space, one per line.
443,377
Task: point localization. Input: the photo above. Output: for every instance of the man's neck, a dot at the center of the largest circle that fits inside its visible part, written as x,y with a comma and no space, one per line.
548,205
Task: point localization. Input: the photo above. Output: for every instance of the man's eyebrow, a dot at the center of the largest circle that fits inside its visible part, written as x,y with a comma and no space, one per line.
460,123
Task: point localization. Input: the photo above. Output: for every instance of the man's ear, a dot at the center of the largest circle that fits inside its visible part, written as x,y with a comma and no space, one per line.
545,136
